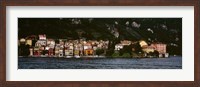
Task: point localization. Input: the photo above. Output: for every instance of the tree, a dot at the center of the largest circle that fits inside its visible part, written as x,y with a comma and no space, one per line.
115,55
24,50
151,53
134,54
33,42
44,52
111,47
126,49
137,47
56,41
99,51
126,55
156,53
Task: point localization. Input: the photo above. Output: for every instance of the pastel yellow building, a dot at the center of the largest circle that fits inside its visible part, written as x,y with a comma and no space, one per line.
143,43
148,49
76,52
29,42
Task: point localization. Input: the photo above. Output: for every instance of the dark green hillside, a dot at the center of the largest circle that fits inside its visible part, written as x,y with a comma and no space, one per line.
165,30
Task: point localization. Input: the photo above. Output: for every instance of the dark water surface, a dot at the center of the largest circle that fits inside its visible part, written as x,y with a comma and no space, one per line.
100,63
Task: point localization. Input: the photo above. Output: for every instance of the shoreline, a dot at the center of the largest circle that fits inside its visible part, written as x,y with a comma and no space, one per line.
91,57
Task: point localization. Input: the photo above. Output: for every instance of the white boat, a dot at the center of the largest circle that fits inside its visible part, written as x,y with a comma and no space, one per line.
166,54
77,56
68,57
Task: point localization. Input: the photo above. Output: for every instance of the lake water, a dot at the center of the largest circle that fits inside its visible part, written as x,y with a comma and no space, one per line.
100,63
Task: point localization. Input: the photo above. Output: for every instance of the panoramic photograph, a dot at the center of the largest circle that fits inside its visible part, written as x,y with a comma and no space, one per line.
99,43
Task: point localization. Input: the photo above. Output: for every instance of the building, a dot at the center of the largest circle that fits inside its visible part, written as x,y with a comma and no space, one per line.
39,47
59,50
148,49
88,50
51,52
31,51
61,42
143,43
30,39
69,49
61,54
22,41
36,51
29,42
161,48
100,45
76,50
42,37
51,43
81,50
50,47
118,47
126,42
40,43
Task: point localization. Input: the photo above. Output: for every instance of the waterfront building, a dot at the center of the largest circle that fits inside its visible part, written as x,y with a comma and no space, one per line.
22,41
31,51
50,47
51,43
76,49
69,48
61,42
42,37
100,45
87,46
59,50
118,47
125,42
40,43
51,52
81,47
148,49
39,47
68,52
88,50
36,51
143,43
161,48
76,52
29,42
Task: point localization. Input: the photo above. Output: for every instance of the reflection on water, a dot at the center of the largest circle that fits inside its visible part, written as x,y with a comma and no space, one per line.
100,63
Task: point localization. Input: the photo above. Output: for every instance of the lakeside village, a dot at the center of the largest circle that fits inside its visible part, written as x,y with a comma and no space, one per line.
40,46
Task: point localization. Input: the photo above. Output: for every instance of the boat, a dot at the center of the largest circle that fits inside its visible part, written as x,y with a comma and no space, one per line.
68,56
77,56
